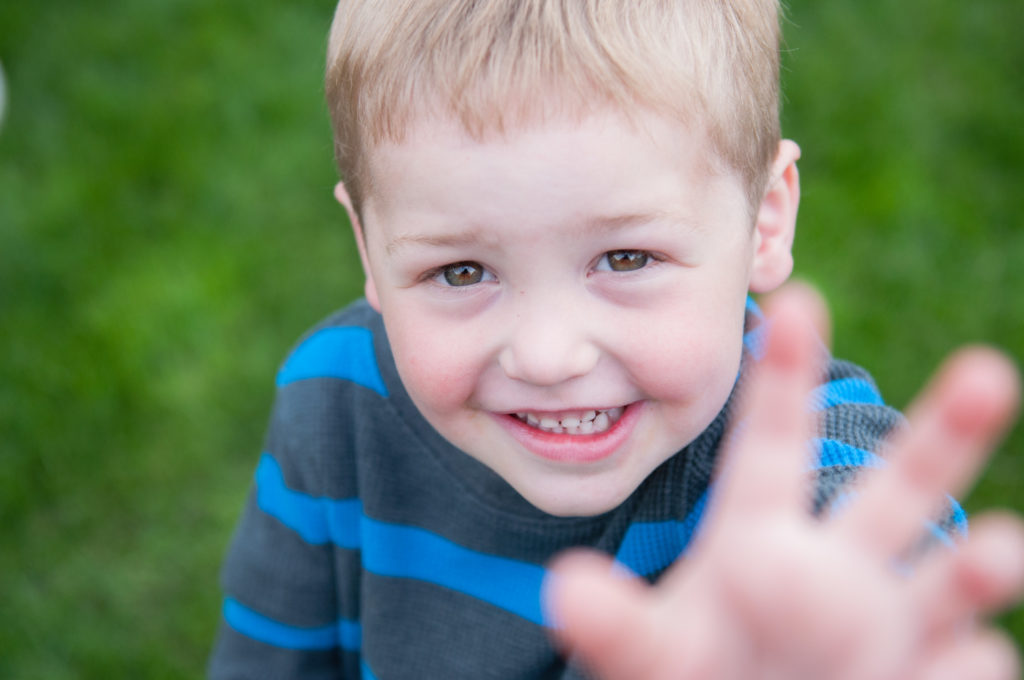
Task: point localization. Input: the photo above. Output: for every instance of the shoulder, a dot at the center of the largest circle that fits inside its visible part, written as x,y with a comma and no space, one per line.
342,347
330,389
854,423
855,428
854,420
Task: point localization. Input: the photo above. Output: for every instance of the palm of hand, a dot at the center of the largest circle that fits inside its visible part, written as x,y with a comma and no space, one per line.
768,592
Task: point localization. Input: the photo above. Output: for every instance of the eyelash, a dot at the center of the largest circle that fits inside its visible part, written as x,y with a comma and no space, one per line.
442,275
605,262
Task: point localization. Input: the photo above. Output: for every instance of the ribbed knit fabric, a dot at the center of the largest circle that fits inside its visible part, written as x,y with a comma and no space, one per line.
371,547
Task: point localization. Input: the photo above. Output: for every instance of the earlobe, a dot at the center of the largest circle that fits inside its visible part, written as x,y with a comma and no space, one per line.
776,222
342,196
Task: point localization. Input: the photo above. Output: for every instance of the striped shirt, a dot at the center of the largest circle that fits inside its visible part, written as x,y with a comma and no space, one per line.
370,547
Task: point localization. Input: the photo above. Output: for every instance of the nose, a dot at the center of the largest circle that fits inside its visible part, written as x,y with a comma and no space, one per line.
549,344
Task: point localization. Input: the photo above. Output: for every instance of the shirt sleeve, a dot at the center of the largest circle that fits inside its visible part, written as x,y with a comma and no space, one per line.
280,609
854,426
291,578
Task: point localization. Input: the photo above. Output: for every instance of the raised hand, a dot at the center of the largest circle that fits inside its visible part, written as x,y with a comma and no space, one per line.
769,592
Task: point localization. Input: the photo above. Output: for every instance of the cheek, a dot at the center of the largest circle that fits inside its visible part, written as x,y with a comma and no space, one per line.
694,370
687,363
437,368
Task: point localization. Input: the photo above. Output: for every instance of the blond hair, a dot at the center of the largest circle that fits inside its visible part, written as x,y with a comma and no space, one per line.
497,64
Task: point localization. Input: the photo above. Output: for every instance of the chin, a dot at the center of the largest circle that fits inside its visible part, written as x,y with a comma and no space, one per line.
576,504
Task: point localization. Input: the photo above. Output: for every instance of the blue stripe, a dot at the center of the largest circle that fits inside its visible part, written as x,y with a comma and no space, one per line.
649,547
844,391
343,352
347,634
940,534
366,672
401,551
754,309
839,504
837,453
959,516
843,500
317,520
409,552
833,452
754,339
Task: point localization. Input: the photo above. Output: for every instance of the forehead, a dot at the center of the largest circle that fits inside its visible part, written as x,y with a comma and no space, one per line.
602,159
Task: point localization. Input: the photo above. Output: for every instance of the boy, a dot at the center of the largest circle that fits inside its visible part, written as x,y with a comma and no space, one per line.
561,208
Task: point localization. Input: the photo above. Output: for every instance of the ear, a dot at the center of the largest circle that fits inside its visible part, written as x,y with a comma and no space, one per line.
341,194
776,222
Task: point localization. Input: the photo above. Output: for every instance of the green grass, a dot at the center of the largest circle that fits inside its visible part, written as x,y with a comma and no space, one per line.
909,115
167,230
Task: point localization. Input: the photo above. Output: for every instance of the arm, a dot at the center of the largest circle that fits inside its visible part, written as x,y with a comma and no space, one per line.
770,592
290,578
272,625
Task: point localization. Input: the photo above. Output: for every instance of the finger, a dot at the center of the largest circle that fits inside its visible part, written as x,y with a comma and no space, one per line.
983,575
604,619
983,655
766,464
953,427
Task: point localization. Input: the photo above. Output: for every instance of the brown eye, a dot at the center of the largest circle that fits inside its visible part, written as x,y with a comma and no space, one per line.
463,274
626,260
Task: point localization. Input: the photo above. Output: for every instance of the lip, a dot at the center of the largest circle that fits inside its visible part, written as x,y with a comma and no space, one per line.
573,448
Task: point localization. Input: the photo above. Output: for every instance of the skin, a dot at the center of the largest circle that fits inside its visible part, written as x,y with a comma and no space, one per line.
551,328
824,600
765,591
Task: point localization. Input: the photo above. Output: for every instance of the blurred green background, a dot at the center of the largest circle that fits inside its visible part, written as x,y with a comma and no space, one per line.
167,230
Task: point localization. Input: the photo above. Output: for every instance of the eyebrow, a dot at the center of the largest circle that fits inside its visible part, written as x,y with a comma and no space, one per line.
454,240
616,222
600,224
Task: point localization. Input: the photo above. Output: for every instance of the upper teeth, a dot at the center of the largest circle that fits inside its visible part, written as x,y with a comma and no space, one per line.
576,422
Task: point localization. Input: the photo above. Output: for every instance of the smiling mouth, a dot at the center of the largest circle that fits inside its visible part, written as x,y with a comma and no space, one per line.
592,421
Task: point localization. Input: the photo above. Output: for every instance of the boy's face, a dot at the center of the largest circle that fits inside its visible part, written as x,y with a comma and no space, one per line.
565,304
